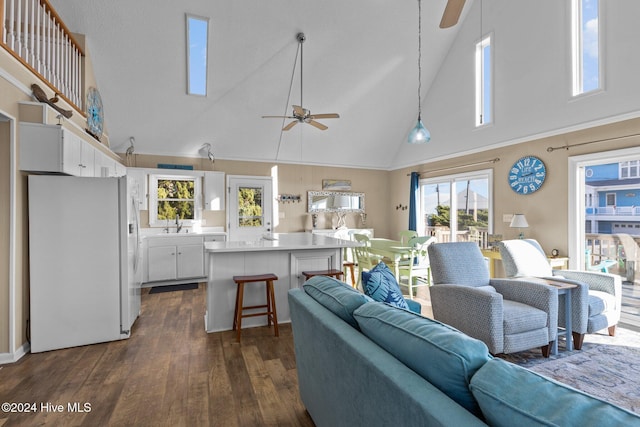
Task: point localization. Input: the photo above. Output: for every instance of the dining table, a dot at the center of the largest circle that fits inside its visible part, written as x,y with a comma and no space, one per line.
391,251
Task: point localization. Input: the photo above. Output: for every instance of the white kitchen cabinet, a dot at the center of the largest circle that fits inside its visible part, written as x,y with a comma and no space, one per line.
190,261
87,159
213,193
175,258
51,148
121,169
140,177
162,263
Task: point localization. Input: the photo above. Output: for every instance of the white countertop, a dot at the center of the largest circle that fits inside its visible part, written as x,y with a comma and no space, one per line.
280,242
149,233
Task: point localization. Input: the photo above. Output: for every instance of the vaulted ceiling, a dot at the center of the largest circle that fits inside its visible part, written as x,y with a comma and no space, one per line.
360,60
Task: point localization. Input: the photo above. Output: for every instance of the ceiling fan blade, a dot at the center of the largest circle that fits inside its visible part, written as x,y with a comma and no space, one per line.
451,13
318,125
290,125
325,116
278,117
298,111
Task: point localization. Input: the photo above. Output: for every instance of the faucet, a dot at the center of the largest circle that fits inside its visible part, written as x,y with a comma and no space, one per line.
166,229
178,225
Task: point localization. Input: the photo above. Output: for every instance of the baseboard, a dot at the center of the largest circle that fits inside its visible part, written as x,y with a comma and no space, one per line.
6,358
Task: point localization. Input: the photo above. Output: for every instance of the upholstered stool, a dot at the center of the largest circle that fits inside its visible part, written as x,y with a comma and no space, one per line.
270,305
331,273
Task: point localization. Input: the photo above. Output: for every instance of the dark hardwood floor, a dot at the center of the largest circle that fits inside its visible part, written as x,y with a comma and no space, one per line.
169,373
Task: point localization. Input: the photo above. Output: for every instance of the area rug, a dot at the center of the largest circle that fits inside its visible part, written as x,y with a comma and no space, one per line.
606,367
173,288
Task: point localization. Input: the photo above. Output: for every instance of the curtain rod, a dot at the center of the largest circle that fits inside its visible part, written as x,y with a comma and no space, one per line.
566,147
497,159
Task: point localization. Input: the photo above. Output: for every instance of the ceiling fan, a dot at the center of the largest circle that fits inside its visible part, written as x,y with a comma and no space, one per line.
300,114
451,13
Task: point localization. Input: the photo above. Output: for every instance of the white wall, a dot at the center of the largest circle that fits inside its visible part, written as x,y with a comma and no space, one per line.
532,78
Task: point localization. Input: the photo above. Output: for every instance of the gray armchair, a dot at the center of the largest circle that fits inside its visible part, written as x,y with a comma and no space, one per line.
595,304
507,315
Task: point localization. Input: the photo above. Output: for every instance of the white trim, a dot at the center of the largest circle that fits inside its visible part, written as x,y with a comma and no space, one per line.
576,207
176,174
6,358
188,18
480,92
453,179
576,43
12,355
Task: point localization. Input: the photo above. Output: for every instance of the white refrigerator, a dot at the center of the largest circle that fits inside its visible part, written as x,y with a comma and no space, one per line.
85,260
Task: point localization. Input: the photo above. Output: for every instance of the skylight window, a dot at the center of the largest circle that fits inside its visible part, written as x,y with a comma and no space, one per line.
484,102
586,48
197,48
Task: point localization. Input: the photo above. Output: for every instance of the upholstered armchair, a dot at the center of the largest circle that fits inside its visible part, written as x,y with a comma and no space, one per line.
507,315
596,302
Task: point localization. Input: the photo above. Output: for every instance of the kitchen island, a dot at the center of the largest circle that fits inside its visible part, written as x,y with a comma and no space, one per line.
286,255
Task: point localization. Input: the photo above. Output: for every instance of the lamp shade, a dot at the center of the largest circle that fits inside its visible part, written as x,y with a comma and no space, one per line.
519,221
419,134
341,202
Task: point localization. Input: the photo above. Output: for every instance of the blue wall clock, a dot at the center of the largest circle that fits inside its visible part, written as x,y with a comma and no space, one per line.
94,113
527,175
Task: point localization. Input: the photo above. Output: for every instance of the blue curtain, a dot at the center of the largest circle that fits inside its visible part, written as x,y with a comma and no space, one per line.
413,201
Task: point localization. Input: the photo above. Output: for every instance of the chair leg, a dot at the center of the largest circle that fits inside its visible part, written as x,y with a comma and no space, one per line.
612,331
578,339
546,350
352,270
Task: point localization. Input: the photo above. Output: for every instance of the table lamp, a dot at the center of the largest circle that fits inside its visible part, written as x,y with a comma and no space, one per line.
341,202
519,221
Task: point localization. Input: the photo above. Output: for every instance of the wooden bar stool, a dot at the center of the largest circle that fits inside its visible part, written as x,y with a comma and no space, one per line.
270,305
332,272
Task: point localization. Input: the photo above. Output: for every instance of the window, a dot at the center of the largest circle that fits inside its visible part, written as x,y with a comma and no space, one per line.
611,199
171,196
586,46
483,82
197,47
630,169
250,207
457,207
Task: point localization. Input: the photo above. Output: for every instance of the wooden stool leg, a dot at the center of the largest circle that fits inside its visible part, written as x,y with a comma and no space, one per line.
239,304
272,309
268,295
235,311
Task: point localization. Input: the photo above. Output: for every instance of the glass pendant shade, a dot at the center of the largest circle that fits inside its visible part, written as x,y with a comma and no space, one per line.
419,134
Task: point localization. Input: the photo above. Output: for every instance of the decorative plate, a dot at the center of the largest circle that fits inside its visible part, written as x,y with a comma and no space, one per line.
527,175
95,115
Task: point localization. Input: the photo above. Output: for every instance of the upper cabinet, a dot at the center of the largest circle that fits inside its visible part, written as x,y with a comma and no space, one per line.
54,149
213,191
139,180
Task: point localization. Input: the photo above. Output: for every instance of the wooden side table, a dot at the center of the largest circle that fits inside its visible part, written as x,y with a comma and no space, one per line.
557,263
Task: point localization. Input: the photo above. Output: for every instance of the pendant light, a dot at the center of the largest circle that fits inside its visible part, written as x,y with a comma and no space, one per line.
419,134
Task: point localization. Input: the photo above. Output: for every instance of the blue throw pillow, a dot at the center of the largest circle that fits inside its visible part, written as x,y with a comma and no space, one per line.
380,284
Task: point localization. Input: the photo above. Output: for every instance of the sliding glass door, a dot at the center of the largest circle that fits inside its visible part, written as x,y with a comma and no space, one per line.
457,207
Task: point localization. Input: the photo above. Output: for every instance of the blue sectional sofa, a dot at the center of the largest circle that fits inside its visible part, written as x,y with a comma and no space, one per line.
365,363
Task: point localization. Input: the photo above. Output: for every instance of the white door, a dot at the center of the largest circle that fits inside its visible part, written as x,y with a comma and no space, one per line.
249,207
